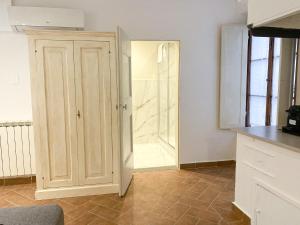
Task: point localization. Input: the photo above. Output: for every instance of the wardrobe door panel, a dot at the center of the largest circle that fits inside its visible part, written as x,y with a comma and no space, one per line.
92,71
55,68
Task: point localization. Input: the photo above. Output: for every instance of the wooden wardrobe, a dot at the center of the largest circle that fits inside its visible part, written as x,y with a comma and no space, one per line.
75,99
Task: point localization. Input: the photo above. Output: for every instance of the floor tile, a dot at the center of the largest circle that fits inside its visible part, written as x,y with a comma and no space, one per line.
187,220
152,155
186,197
176,211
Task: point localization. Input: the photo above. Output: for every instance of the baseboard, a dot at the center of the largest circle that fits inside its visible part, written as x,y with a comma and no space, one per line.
76,191
246,218
7,181
207,164
155,169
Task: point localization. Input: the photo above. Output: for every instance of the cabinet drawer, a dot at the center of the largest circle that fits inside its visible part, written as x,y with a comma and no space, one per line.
257,155
259,160
277,167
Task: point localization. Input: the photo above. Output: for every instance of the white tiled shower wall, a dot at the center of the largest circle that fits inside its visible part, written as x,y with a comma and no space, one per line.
154,80
150,106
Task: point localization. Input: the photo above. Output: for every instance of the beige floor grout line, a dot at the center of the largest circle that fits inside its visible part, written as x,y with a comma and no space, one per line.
191,206
99,216
214,200
185,213
202,193
215,209
11,203
24,196
222,219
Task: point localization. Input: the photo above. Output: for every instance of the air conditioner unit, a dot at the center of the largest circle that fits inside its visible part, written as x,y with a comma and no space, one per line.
21,18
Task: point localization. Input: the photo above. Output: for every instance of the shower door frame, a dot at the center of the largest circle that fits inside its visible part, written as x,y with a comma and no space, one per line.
177,125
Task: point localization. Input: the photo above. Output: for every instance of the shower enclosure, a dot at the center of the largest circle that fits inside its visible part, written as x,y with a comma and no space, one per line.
155,68
167,96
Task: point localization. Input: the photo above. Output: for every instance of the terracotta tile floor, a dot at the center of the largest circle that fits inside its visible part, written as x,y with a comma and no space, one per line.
186,197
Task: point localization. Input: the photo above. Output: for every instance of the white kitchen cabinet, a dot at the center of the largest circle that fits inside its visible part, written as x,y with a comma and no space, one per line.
273,207
267,182
74,95
263,12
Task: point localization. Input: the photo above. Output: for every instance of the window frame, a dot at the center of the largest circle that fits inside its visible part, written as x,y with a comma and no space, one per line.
295,73
269,81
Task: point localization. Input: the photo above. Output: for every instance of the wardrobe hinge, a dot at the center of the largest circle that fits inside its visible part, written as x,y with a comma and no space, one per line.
117,107
109,52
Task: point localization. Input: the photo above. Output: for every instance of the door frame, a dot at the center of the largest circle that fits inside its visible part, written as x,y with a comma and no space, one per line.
177,141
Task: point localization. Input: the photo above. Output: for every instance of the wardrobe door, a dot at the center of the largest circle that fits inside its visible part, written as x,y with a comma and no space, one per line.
93,97
57,113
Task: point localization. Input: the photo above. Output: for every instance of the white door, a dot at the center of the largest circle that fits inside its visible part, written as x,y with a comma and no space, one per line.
94,111
57,113
126,156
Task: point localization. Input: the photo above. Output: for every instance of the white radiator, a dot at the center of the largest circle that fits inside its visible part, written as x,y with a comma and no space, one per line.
17,157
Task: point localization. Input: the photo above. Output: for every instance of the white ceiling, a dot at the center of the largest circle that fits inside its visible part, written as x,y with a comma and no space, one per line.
242,5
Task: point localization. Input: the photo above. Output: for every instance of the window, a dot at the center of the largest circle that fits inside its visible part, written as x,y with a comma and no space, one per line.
262,81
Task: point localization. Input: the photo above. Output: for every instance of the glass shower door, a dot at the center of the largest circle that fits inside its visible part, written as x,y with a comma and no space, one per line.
167,81
163,92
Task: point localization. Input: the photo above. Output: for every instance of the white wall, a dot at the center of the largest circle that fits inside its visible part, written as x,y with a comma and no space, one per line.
196,23
15,98
3,15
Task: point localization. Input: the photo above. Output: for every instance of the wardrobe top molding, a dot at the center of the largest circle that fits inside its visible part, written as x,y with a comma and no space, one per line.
69,35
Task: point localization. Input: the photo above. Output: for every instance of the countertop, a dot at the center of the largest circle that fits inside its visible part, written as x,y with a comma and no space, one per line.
273,136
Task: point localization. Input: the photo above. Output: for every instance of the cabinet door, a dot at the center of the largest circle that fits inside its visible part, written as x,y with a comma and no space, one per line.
57,113
93,97
261,12
274,208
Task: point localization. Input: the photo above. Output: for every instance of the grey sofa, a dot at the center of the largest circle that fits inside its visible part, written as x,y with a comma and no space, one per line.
36,215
